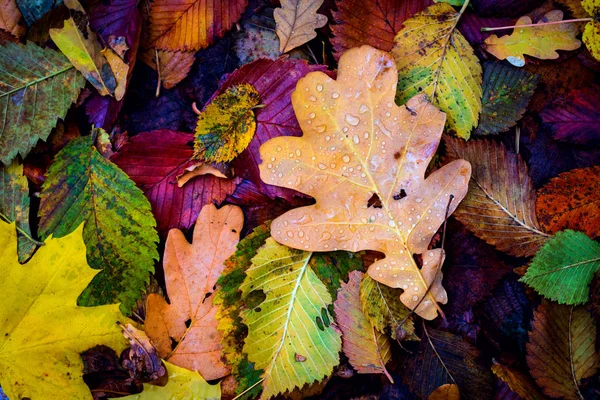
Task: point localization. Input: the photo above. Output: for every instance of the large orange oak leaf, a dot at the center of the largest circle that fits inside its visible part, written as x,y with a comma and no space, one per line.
358,143
191,272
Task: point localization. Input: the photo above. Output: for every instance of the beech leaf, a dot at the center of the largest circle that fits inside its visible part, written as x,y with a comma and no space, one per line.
500,205
539,42
227,125
358,143
296,21
82,186
591,32
562,349
191,272
291,335
563,269
10,18
43,329
520,383
368,349
433,57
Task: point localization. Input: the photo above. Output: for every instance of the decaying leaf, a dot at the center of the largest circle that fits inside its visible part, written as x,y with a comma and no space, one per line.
371,22
30,77
257,39
191,25
571,201
561,349
183,385
519,382
293,319
506,94
296,22
500,205
82,186
43,330
433,57
382,309
10,18
191,272
227,125
368,349
174,65
563,269
591,33
539,42
103,68
448,391
357,143
142,357
14,206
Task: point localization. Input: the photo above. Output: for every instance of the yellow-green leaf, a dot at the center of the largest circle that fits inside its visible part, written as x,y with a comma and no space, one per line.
102,68
432,56
43,330
290,334
183,385
539,42
591,33
227,124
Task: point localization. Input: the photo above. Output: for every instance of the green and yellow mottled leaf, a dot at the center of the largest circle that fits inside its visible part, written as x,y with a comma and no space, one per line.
290,334
539,42
103,68
563,269
30,78
43,330
82,186
591,33
382,307
14,206
227,124
183,385
432,56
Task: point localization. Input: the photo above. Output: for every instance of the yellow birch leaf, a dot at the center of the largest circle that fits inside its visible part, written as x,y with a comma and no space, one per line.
539,42
43,330
296,22
227,125
591,33
357,143
433,57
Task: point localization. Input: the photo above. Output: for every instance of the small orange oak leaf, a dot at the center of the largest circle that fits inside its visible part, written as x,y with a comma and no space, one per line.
191,272
357,143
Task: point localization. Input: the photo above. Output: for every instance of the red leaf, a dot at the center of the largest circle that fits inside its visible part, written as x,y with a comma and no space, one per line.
275,80
372,22
153,160
575,118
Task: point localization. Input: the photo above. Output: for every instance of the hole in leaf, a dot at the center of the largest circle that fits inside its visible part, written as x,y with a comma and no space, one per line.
400,195
258,309
206,296
174,342
188,323
320,324
374,201
255,298
325,317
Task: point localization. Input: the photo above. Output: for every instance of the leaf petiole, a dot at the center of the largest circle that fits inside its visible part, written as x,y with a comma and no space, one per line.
500,28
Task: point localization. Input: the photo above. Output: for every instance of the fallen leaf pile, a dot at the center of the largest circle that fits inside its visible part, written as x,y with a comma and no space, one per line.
321,199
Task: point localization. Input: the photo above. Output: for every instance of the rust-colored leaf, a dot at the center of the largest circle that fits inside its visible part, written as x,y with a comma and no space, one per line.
174,65
191,273
357,143
571,201
449,391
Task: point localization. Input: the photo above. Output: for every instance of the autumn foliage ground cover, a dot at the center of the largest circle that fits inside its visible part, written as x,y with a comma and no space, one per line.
326,199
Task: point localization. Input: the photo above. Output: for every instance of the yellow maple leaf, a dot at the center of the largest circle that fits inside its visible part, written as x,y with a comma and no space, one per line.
358,143
539,42
43,329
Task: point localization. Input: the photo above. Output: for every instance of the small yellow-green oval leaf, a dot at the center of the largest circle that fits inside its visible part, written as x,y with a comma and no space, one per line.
227,124
591,33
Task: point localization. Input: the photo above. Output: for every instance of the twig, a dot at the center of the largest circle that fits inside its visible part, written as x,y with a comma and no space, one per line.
21,231
566,21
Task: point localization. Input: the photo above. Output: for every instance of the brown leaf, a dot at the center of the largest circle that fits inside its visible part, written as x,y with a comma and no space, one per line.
191,273
367,349
571,201
449,391
518,382
142,360
10,18
561,349
296,22
174,65
500,205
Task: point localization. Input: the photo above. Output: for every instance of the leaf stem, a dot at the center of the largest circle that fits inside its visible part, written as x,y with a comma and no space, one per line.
566,21
248,389
21,231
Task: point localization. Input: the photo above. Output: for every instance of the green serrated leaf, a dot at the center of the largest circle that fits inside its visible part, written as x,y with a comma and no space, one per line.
227,125
506,93
31,79
564,267
14,206
119,232
382,307
290,334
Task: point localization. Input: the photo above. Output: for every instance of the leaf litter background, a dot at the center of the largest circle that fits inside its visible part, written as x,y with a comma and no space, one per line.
533,193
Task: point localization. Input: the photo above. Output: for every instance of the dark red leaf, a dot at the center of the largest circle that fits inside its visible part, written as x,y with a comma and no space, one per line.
153,160
470,26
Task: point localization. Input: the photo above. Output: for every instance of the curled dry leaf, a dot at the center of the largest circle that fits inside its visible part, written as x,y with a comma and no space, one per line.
539,42
368,349
191,273
357,143
519,382
500,205
561,349
142,360
296,22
